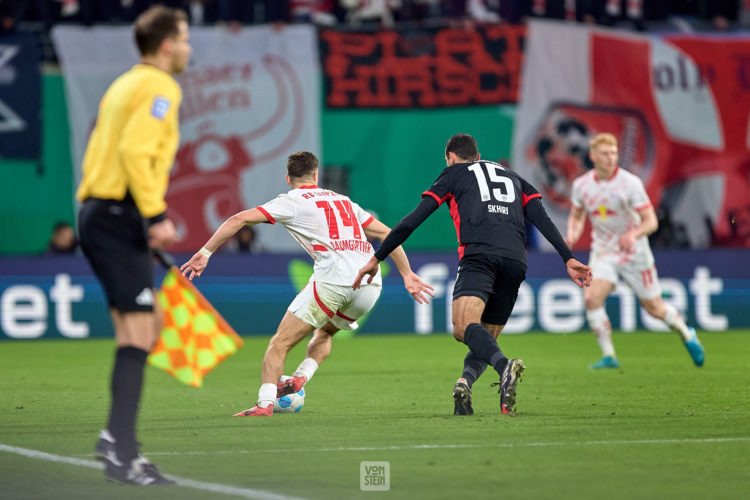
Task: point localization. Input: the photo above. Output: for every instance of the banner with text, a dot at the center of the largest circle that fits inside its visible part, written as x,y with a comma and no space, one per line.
60,297
678,104
250,98
20,96
422,68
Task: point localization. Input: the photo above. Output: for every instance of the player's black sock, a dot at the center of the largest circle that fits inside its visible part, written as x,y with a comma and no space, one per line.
481,343
127,380
473,368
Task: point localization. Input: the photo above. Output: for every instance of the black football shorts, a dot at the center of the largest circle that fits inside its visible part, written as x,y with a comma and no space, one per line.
493,279
114,239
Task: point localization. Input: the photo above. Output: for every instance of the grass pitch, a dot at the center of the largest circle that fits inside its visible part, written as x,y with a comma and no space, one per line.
656,428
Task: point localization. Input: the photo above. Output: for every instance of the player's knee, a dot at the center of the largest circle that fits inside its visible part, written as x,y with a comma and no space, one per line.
279,343
657,310
328,329
593,303
459,328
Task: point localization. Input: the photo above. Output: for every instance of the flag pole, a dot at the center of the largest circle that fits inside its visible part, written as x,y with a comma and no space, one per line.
164,258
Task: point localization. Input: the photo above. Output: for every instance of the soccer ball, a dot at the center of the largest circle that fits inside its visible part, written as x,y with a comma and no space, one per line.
291,403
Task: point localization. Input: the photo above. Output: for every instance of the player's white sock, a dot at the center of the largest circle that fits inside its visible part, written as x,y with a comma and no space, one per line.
599,323
306,369
675,322
266,395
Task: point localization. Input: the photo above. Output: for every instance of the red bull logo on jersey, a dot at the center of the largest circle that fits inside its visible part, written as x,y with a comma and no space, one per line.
602,213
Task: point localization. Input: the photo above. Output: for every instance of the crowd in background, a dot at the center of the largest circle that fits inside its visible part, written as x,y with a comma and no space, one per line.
682,15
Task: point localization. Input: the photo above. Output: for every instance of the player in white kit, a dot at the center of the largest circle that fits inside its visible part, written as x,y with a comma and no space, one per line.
622,217
334,231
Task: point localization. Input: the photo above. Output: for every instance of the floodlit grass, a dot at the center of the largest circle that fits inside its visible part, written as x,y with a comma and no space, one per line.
656,428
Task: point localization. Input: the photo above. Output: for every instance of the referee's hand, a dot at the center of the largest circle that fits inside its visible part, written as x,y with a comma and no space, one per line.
162,234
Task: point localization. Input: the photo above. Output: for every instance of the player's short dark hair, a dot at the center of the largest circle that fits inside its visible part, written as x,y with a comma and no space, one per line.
301,164
60,225
154,26
464,145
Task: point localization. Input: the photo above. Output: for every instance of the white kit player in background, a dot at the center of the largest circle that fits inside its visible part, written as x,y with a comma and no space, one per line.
621,217
334,231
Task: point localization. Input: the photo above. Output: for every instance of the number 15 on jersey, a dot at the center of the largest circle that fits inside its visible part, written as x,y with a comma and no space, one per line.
504,192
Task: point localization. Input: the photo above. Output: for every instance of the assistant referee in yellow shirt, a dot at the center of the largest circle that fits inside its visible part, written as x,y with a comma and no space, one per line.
123,216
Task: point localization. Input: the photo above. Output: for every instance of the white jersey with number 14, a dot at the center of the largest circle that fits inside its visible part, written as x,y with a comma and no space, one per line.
329,226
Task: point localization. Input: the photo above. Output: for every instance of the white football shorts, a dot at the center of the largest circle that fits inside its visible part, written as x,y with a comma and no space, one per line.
319,303
639,274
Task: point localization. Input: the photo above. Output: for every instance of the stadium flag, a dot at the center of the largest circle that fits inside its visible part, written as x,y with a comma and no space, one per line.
249,99
678,104
195,338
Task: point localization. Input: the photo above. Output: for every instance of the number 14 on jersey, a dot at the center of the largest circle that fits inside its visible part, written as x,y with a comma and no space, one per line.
346,211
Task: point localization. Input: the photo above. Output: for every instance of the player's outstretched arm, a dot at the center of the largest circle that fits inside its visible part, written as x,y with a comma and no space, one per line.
578,272
534,211
398,235
406,226
413,283
194,267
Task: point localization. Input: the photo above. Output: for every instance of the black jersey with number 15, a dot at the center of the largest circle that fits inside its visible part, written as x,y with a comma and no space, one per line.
486,203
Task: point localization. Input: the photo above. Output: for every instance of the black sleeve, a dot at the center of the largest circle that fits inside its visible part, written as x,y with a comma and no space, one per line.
406,226
534,211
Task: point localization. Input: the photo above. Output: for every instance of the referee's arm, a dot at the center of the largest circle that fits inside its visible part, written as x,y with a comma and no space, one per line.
147,172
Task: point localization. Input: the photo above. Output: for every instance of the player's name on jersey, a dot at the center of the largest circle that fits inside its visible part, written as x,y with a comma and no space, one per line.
313,194
497,209
359,245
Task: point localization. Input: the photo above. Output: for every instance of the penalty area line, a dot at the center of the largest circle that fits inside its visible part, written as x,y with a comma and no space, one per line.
470,446
186,483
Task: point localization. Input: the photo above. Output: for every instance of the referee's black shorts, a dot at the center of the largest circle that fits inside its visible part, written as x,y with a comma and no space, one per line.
114,239
493,279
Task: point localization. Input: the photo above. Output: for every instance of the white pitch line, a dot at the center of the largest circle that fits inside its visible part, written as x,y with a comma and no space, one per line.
187,483
459,446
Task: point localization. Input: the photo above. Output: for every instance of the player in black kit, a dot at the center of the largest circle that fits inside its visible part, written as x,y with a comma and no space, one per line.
488,204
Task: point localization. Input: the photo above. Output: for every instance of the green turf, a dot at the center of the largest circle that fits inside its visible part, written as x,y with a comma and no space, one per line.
656,428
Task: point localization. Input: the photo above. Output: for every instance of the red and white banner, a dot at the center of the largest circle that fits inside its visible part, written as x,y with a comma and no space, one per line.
679,106
250,99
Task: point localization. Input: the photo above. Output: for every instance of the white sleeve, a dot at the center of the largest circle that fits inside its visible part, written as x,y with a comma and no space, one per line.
363,216
638,197
280,209
575,194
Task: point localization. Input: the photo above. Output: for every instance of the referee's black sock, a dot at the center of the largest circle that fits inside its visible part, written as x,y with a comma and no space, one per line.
127,380
481,343
473,368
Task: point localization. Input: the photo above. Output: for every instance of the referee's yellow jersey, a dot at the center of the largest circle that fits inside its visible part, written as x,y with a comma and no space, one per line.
134,142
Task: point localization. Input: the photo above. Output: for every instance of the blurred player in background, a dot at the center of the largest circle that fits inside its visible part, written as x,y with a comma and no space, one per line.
622,217
334,231
488,204
123,216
